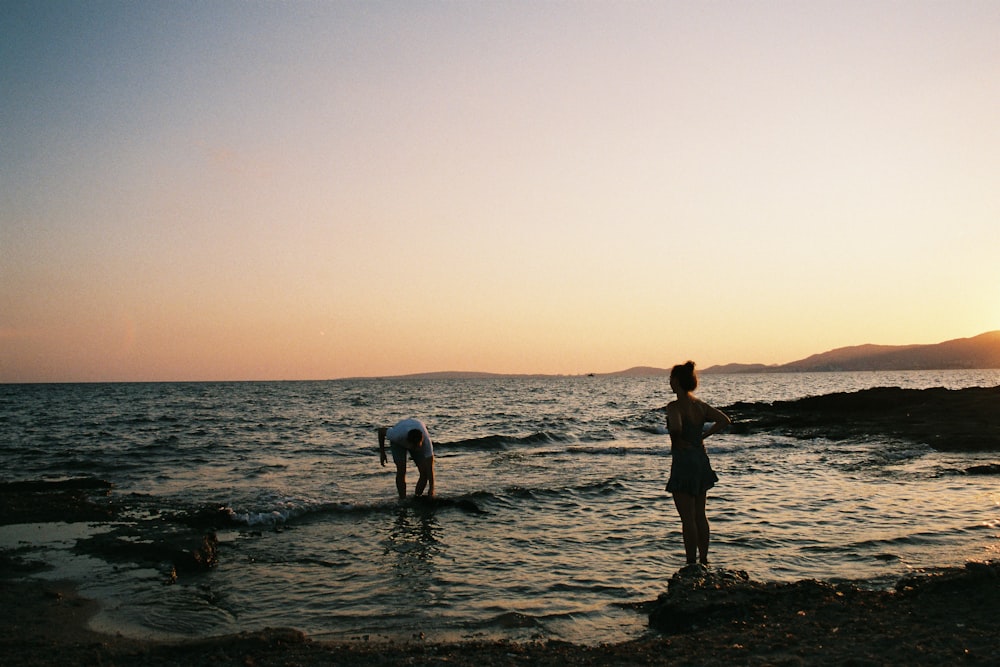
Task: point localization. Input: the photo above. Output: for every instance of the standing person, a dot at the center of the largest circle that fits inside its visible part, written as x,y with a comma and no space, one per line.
691,474
409,435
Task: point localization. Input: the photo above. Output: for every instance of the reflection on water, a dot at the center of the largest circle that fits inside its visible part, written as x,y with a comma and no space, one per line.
412,543
411,550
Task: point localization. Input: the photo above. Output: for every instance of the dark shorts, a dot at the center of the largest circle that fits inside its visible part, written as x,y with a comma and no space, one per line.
399,454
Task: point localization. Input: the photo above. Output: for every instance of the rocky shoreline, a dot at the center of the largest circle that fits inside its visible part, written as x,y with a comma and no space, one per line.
705,618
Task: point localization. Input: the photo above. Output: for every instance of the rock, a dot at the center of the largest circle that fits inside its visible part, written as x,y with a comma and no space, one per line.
179,553
707,601
703,598
43,501
973,576
988,469
74,484
199,554
972,423
206,518
698,597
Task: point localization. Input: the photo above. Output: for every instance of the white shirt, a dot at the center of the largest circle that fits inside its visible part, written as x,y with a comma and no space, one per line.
397,435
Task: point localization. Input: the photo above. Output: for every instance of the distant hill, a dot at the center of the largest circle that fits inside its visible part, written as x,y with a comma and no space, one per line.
739,368
463,375
639,371
982,351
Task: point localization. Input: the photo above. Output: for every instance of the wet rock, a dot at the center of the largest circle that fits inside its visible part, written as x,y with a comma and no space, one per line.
206,518
988,469
14,563
707,600
974,576
698,597
43,501
438,502
178,553
44,486
946,419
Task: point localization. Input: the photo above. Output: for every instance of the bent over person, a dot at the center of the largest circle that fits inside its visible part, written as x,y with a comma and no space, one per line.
409,436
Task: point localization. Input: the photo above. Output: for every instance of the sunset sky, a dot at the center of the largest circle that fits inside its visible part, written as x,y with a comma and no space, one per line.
220,190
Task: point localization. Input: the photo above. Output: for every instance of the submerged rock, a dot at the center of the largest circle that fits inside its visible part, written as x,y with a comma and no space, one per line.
177,553
69,500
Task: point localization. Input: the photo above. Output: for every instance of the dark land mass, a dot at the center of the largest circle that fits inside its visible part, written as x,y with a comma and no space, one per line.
982,351
946,419
978,352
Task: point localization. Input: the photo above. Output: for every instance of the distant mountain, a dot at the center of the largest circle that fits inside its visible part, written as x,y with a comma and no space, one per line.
462,375
982,351
639,371
739,368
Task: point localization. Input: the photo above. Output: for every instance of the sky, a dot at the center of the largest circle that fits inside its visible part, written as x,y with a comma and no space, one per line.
222,190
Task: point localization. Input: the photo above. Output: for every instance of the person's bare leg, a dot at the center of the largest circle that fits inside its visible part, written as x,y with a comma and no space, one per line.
426,468
701,525
685,504
401,479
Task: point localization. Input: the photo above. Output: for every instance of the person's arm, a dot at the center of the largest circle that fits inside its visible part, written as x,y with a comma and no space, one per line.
720,420
381,444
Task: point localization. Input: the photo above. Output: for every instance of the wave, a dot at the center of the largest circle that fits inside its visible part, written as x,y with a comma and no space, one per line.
613,450
599,488
285,511
501,442
523,621
510,620
880,545
277,512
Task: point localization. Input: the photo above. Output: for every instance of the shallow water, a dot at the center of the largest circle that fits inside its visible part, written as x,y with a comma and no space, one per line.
553,522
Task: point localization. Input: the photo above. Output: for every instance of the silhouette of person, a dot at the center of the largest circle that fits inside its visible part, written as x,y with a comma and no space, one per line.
409,436
691,474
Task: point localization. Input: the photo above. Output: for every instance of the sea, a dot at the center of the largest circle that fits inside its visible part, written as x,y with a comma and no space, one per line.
551,521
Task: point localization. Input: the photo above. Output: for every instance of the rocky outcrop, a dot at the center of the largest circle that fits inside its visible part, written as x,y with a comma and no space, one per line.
698,598
41,501
946,419
174,553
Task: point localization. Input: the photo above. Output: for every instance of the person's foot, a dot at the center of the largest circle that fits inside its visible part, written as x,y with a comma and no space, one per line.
694,569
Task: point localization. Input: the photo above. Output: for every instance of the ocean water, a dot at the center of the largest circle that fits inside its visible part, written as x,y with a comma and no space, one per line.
552,520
